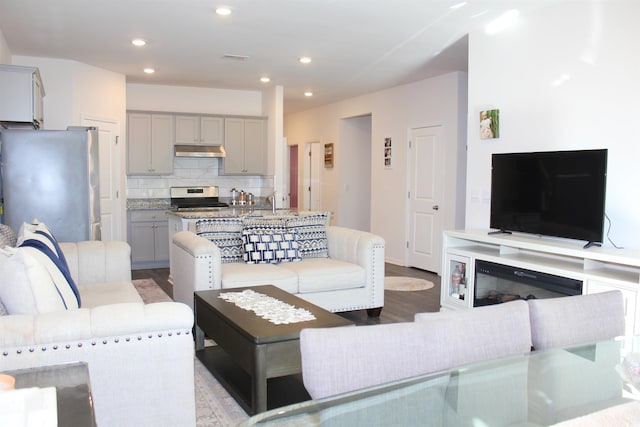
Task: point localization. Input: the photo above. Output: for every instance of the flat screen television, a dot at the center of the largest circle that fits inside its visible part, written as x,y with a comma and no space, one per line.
554,193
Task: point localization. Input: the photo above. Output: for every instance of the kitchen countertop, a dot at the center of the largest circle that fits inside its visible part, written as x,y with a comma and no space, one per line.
232,211
141,204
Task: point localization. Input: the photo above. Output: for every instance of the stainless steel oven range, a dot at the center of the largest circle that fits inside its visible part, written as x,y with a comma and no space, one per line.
196,198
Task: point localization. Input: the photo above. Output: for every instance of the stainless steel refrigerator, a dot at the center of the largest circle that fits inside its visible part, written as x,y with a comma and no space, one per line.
52,176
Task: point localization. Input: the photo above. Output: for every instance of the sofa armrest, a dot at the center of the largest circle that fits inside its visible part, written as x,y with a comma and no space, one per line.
195,265
362,248
98,262
136,354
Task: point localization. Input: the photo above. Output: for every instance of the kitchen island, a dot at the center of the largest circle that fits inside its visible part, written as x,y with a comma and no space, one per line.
152,222
181,220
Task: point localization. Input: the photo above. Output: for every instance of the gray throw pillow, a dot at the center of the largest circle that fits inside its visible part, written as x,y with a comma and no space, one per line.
7,236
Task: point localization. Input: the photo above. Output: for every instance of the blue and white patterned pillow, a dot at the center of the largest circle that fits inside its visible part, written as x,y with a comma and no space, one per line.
270,248
311,229
265,224
224,232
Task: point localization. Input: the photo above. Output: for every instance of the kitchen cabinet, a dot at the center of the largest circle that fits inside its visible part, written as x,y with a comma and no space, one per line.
150,144
22,93
192,129
148,230
245,142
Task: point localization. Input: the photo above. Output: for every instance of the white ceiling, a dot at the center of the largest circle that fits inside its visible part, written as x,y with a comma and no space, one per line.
357,46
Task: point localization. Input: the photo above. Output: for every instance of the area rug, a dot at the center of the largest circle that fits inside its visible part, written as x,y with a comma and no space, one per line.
401,283
214,406
150,291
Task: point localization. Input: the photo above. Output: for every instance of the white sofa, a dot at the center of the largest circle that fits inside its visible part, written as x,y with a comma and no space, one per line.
351,278
140,357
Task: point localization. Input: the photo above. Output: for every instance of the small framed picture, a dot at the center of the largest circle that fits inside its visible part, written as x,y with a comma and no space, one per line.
387,152
328,155
489,124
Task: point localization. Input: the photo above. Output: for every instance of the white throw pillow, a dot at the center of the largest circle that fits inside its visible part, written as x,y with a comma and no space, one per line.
27,286
38,235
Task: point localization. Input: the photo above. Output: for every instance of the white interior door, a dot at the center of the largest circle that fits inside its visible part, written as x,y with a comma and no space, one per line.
425,225
110,211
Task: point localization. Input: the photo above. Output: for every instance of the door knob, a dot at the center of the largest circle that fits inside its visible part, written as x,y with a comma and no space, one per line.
435,207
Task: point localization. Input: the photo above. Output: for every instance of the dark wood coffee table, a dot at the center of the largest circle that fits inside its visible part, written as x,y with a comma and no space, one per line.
250,350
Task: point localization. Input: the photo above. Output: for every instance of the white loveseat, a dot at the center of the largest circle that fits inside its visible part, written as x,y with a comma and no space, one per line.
140,357
350,277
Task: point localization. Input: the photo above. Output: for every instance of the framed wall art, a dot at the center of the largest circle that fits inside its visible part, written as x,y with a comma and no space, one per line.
387,152
489,124
328,155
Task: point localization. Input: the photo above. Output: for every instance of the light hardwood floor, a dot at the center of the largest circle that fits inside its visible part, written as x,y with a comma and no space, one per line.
399,306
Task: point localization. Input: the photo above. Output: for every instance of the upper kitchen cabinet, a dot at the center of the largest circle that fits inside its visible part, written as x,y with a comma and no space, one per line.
21,94
199,130
245,142
150,144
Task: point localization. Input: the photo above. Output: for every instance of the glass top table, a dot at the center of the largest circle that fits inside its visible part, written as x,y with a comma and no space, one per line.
73,390
537,389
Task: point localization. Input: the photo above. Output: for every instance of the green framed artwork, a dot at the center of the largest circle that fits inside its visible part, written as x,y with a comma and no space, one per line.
489,124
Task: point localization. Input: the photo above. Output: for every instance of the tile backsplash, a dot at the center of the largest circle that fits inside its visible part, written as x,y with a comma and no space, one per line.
196,171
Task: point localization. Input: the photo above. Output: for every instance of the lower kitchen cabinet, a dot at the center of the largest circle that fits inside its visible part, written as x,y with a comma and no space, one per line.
148,230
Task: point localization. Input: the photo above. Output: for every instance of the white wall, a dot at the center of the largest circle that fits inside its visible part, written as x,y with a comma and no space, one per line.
436,101
355,173
565,77
185,99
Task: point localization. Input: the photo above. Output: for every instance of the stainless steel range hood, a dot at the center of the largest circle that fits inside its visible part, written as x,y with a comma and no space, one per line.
199,151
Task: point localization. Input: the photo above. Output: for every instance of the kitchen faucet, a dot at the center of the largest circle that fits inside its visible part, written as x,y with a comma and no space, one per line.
272,199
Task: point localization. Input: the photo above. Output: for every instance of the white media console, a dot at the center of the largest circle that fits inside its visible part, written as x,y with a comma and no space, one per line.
599,269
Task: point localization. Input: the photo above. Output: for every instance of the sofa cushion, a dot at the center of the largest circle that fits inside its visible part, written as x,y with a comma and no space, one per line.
224,232
326,274
240,274
98,294
311,228
270,248
31,283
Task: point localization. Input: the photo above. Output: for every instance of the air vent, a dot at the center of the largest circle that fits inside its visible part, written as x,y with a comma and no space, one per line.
232,57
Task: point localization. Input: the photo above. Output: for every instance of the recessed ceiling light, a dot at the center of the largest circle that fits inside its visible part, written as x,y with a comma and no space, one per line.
149,70
223,11
265,79
305,60
138,42
308,94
